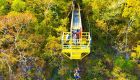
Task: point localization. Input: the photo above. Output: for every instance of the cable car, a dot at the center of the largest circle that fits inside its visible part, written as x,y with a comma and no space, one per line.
76,43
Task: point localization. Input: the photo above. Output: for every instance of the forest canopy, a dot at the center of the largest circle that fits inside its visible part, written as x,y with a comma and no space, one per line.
30,40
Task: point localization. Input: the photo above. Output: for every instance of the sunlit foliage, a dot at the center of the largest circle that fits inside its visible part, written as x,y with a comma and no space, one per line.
30,39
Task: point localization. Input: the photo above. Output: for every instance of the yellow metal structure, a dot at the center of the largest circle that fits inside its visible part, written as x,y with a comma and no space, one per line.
76,48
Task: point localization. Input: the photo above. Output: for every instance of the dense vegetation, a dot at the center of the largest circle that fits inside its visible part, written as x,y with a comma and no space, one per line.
30,35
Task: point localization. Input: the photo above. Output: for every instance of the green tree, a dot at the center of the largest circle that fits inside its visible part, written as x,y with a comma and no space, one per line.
18,5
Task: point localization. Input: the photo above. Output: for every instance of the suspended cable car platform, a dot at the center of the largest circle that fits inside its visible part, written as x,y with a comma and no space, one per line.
76,43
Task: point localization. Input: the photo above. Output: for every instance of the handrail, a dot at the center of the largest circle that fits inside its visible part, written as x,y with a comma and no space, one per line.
76,47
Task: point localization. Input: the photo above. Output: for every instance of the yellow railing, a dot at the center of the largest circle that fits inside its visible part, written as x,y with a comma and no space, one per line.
75,43
75,50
